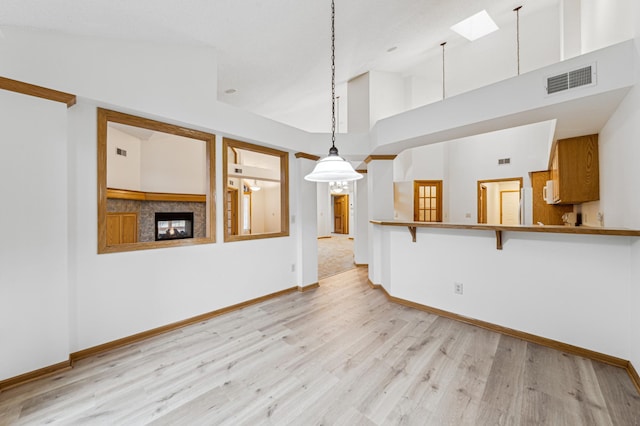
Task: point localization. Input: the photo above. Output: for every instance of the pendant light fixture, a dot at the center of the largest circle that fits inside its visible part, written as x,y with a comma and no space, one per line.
333,167
255,186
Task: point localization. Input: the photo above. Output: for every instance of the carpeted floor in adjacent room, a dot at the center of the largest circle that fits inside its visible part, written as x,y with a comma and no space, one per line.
335,255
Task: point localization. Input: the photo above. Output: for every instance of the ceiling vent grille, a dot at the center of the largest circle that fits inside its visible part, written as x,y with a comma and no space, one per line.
570,80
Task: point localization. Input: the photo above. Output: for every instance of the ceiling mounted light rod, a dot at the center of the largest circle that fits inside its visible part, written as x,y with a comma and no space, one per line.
517,11
333,167
442,44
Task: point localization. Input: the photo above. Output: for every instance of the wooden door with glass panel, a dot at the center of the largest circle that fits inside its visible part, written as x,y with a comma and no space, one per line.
427,200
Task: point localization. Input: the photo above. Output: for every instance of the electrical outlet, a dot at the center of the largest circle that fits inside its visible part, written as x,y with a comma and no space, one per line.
458,288
293,267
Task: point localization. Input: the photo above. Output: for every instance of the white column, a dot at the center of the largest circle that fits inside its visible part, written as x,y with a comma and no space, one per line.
305,224
380,202
361,221
570,31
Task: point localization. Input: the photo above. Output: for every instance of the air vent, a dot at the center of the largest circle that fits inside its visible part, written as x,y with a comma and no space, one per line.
570,80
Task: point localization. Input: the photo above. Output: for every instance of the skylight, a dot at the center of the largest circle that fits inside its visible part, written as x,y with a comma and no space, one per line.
476,26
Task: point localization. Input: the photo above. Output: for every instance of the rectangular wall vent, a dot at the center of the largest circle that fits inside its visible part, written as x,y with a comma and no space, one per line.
570,80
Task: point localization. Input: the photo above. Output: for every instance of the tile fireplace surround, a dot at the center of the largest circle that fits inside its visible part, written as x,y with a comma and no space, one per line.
146,214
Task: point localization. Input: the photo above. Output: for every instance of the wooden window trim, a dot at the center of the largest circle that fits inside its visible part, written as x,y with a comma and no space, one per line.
284,187
416,186
104,117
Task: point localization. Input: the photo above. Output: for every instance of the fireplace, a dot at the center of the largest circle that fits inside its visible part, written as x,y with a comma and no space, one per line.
174,225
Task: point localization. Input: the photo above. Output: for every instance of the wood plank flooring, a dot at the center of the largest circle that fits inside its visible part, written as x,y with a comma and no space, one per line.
338,355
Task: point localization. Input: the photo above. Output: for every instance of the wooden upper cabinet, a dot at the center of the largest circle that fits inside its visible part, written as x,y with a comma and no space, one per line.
574,170
547,214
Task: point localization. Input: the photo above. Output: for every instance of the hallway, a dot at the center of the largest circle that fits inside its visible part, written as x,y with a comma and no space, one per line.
335,255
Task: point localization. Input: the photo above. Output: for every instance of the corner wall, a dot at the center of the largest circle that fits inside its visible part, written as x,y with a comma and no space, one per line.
620,147
34,305
120,294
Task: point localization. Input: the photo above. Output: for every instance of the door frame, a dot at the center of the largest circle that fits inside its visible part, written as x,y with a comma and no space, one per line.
481,182
344,213
416,209
501,201
232,216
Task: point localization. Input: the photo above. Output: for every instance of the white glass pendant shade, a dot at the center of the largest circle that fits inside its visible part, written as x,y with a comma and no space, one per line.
255,186
333,168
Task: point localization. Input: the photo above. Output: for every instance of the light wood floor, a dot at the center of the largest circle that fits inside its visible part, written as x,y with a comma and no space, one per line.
341,354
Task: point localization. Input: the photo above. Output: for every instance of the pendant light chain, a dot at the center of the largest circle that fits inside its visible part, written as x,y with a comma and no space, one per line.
443,92
517,11
333,74
333,168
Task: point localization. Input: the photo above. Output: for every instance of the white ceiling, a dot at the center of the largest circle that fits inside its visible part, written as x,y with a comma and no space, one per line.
275,53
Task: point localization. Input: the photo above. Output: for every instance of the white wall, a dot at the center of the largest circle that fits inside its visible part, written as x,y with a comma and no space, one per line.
173,164
304,220
461,163
605,22
181,88
361,221
325,219
386,95
476,158
527,286
34,278
469,65
170,80
358,104
206,277
163,163
272,209
123,172
403,201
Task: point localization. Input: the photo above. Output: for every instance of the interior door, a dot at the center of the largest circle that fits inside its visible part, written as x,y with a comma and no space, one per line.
483,204
509,207
341,214
232,211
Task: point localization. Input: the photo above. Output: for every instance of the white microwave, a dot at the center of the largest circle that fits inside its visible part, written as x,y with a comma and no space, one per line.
547,192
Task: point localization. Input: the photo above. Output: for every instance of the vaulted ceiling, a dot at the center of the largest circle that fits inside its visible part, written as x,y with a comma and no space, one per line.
275,54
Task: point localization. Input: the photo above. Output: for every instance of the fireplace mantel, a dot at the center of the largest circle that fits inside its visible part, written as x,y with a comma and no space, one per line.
125,194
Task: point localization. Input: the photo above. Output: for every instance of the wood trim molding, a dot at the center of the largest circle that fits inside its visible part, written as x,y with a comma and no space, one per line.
125,194
106,116
307,156
284,188
38,91
85,353
379,157
376,286
551,229
633,374
34,375
543,341
308,287
361,265
362,171
324,236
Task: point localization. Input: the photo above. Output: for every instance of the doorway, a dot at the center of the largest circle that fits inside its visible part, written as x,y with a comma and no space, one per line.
340,214
232,211
499,201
